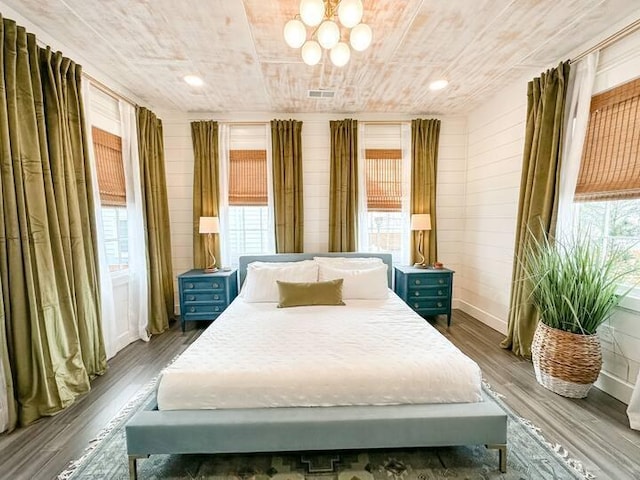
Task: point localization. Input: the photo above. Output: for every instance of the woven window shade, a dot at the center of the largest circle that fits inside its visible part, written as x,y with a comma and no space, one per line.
111,183
384,180
247,177
610,166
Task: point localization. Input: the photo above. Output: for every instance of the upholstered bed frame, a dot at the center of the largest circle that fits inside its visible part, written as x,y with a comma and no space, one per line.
152,431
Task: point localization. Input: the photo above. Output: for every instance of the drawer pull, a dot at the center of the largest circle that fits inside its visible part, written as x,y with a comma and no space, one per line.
417,282
217,309
439,304
441,281
216,297
192,297
189,285
215,285
192,309
417,294
439,292
416,305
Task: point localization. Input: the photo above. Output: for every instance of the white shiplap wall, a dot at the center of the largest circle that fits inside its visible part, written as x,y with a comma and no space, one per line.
494,164
316,151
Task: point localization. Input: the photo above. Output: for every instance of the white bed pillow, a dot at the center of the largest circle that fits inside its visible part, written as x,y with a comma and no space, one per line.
368,283
349,262
260,284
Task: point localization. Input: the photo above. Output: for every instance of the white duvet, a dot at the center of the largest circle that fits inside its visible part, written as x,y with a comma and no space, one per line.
369,352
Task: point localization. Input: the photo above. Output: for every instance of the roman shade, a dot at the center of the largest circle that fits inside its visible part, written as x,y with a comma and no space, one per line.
247,177
110,169
384,179
610,166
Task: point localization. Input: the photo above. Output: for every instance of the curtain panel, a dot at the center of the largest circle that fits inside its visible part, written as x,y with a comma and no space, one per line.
156,219
425,138
51,339
204,136
539,195
286,144
343,186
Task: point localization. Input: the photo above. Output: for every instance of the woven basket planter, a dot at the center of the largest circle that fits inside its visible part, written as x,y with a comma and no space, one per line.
565,363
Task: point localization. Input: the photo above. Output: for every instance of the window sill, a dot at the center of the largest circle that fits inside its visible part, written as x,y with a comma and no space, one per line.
632,301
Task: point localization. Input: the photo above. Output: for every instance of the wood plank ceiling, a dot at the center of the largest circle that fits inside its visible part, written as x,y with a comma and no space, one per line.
237,48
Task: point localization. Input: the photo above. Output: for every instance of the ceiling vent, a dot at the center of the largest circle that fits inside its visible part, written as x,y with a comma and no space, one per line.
321,93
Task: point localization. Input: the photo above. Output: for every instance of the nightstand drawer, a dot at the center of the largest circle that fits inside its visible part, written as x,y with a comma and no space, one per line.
428,303
215,296
429,280
201,316
429,292
208,285
208,308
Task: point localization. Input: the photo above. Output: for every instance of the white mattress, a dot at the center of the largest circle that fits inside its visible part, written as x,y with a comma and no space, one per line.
369,352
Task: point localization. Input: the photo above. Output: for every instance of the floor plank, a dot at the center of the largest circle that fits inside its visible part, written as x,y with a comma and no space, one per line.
594,430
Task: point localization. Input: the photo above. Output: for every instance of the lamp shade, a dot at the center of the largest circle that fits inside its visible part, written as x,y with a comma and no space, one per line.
420,221
209,225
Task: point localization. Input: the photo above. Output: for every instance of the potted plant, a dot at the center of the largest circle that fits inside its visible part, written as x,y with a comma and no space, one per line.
575,288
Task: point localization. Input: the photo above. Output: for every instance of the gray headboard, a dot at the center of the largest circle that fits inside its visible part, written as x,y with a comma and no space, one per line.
296,257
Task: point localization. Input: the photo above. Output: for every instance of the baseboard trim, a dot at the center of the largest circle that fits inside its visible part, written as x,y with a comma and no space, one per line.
614,386
485,317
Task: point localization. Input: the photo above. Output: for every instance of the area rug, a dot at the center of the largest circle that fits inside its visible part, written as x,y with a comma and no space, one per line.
529,457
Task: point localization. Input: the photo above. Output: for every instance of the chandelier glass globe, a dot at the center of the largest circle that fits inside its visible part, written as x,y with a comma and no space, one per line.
312,12
295,33
360,37
328,34
340,54
311,52
350,12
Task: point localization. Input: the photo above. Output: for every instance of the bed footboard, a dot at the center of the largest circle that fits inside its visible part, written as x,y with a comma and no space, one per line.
152,431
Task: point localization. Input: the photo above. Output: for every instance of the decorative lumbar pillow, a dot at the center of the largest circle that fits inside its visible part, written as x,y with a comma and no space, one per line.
362,284
293,294
260,284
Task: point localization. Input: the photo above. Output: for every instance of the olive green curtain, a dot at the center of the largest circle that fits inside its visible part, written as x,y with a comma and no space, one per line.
156,217
539,186
286,145
204,136
343,186
425,138
52,336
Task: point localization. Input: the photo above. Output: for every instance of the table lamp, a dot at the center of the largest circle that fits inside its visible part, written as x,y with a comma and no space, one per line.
210,225
421,222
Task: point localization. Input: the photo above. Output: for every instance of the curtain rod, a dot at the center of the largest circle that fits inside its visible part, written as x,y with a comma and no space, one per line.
619,35
109,91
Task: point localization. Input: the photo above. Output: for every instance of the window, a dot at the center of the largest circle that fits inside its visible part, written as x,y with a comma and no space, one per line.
384,187
113,199
248,222
607,197
383,170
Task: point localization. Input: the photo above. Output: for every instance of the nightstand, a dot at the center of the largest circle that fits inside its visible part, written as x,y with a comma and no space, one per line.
428,291
204,296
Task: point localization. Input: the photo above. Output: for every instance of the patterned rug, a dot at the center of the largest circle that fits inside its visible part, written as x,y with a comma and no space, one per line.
529,457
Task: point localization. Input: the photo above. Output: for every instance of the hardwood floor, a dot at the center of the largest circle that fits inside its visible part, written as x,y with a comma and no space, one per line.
594,431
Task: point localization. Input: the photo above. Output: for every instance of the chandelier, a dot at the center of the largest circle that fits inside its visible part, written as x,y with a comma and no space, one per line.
320,16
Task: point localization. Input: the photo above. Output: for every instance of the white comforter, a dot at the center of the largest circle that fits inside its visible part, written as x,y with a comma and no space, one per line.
370,352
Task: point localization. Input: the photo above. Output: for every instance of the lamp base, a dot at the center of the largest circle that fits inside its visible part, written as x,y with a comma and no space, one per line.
210,270
421,265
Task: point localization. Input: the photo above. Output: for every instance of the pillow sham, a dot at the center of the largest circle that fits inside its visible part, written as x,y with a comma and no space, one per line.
260,284
349,262
364,284
293,294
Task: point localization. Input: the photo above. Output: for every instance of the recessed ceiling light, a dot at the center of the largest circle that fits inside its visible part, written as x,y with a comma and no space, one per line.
193,80
438,84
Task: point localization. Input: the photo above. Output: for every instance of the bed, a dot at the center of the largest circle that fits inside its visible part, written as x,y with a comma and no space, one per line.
222,413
